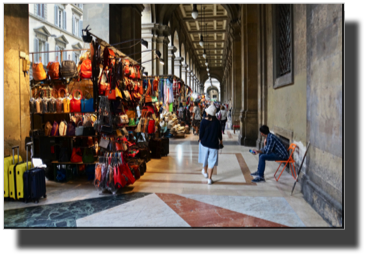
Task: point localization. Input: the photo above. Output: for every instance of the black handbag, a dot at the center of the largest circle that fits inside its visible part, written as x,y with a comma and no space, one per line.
106,129
116,106
68,69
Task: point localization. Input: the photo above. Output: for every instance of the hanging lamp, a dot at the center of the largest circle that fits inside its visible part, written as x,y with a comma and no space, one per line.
194,12
204,54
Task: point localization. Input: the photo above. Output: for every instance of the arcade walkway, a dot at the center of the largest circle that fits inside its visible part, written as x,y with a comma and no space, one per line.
173,193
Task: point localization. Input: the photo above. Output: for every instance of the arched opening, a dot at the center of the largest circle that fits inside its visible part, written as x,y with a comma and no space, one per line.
212,89
176,43
182,53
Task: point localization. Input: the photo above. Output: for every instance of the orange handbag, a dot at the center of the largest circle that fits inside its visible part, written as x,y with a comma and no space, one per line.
132,72
111,94
38,72
76,155
155,84
53,70
86,69
140,88
126,66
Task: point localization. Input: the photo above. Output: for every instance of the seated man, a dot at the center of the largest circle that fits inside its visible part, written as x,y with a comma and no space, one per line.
273,150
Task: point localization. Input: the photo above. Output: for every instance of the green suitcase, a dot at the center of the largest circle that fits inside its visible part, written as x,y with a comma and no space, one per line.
16,171
8,161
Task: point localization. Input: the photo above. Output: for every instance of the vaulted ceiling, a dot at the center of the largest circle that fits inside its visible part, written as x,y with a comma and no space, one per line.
212,23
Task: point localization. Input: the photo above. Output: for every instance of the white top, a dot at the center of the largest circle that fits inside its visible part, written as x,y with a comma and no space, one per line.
223,114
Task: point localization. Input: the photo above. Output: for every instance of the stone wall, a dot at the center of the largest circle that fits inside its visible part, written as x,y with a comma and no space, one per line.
322,186
286,106
16,83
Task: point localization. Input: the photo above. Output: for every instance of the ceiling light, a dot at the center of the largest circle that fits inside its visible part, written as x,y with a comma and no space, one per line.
207,68
161,61
201,41
204,55
194,12
207,63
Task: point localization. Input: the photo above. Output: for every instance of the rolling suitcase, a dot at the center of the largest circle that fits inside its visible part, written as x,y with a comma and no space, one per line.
34,182
155,146
165,146
16,187
15,177
8,161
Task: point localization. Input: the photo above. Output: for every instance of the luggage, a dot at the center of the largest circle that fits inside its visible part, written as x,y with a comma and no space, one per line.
34,182
8,161
16,184
165,146
156,148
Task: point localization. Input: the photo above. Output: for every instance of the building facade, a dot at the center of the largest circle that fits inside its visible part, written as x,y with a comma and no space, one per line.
54,27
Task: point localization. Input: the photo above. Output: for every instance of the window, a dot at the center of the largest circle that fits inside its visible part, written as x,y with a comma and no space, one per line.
76,25
41,46
60,17
282,45
76,58
40,10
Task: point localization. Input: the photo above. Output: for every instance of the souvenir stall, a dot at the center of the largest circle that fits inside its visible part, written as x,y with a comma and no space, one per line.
95,118
169,91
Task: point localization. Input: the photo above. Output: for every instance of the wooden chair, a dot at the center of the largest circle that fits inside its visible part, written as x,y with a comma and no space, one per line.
236,125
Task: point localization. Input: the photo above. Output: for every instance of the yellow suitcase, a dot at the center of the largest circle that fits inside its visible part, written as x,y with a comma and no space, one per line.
16,171
8,161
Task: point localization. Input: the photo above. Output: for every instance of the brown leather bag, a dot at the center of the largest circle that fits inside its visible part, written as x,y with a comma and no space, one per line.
47,128
53,70
59,106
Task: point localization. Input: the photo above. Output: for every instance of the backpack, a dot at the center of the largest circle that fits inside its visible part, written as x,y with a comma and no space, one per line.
219,115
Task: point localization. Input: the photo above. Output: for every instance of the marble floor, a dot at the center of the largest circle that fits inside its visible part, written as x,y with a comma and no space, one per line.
173,193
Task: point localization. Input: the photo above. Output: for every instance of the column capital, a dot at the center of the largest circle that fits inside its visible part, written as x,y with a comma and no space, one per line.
172,49
179,60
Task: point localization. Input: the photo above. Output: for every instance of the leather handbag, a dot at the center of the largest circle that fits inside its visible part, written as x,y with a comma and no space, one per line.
108,57
86,69
132,72
155,84
63,128
148,99
126,66
87,105
76,156
45,105
59,105
131,114
64,155
103,85
68,69
151,127
53,70
75,104
52,105
88,155
124,119
38,72
47,128
66,105
106,129
104,142
55,129
116,106
71,129
138,72
111,94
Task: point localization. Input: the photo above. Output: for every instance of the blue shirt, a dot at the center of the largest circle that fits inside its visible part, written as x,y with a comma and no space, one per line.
275,145
210,133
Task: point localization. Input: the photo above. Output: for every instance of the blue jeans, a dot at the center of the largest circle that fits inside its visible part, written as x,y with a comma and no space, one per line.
267,157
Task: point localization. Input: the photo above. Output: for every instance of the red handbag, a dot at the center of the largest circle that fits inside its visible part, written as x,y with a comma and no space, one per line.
151,127
103,87
75,104
53,70
86,69
127,170
135,86
138,73
120,180
76,155
111,94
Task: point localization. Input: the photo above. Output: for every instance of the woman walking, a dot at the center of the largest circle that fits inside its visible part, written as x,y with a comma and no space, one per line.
196,118
210,138
223,118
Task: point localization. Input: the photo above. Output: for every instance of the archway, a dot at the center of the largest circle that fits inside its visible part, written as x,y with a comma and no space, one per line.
212,89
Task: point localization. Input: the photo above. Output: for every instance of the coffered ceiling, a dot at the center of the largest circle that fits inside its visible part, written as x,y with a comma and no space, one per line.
215,23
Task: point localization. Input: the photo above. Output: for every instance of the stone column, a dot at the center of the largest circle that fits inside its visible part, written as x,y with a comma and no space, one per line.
184,73
147,34
125,24
171,59
250,52
16,82
178,69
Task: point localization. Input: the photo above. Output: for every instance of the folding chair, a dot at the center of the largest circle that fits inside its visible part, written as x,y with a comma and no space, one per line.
288,161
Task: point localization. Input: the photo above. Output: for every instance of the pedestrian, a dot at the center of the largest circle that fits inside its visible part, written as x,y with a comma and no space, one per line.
274,150
223,118
196,116
209,140
181,112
